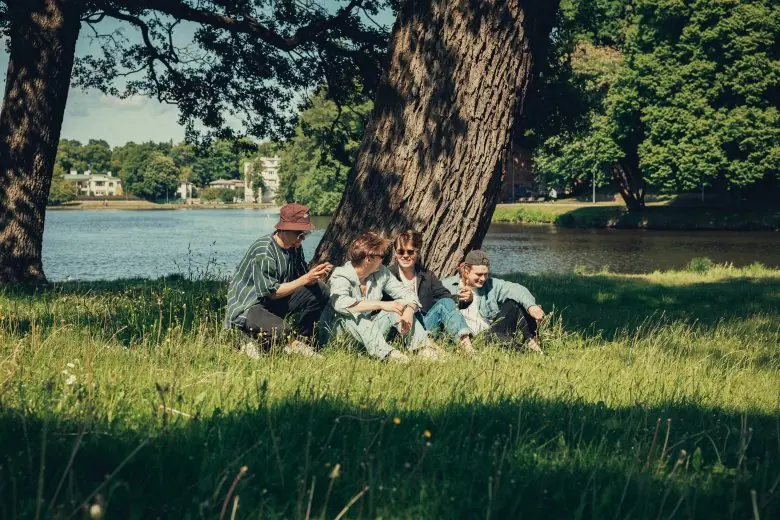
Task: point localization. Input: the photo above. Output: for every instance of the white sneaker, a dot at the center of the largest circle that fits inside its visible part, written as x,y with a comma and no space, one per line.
250,349
396,356
429,354
465,347
533,346
302,349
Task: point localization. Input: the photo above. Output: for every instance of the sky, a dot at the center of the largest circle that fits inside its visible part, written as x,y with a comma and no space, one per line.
93,115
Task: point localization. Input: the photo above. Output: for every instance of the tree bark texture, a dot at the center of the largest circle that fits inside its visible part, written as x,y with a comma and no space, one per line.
43,44
631,184
431,158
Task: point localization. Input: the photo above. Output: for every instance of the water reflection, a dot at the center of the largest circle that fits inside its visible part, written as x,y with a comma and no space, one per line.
111,244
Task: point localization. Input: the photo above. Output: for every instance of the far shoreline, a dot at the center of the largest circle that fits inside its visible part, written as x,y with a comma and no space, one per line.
564,214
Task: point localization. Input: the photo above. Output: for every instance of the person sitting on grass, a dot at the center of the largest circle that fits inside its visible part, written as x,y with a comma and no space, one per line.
356,309
272,284
491,305
438,307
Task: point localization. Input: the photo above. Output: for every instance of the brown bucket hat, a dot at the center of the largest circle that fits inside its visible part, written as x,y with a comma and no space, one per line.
294,217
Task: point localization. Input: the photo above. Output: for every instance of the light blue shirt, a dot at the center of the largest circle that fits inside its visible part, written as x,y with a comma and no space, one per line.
345,292
493,294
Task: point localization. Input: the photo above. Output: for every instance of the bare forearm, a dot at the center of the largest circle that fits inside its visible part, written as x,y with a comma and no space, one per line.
366,306
287,288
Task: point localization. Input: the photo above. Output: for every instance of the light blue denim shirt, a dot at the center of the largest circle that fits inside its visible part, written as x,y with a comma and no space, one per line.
493,294
345,292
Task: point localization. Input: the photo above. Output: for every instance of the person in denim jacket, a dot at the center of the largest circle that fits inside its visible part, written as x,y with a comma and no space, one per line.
493,305
355,307
438,308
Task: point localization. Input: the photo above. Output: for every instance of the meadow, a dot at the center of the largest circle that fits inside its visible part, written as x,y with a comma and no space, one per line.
658,397
669,215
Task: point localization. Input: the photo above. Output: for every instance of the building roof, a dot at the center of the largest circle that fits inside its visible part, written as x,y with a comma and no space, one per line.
226,182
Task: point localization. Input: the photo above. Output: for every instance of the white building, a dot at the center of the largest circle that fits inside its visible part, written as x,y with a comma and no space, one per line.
231,184
95,184
184,189
269,172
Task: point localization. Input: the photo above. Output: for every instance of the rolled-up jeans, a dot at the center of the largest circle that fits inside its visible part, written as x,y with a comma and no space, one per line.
372,332
445,315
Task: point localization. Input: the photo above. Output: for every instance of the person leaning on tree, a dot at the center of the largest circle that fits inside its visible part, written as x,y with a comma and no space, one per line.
491,305
438,308
272,286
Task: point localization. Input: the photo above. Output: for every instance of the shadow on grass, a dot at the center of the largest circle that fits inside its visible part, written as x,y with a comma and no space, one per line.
671,217
612,303
512,458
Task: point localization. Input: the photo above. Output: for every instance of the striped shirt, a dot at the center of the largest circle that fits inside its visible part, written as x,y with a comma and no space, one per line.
264,267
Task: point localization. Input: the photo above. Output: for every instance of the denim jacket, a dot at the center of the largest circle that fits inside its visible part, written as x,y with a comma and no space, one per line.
493,294
345,292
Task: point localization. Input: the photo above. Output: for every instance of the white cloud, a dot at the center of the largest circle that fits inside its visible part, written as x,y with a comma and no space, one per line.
132,103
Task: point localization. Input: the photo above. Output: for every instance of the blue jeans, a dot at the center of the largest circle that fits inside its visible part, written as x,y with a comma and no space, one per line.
445,315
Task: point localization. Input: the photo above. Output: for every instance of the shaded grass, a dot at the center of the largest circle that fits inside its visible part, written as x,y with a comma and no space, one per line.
658,398
653,217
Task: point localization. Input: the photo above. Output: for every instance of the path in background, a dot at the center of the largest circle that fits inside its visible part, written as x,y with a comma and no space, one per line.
110,244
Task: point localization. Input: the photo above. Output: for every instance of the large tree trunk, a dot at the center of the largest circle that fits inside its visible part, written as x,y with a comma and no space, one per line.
430,159
43,43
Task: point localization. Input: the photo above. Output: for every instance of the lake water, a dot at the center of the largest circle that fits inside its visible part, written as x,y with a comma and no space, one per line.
110,244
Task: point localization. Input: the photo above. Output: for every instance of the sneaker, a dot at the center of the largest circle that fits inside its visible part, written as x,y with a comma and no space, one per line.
465,347
396,356
250,349
533,346
301,348
430,354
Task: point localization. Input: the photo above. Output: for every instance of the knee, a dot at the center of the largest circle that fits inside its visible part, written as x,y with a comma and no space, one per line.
448,304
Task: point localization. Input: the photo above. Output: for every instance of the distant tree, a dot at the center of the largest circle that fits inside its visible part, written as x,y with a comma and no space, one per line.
315,163
69,155
61,191
218,161
97,156
157,177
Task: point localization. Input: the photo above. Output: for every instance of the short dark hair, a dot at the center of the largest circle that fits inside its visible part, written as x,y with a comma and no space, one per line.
410,235
366,244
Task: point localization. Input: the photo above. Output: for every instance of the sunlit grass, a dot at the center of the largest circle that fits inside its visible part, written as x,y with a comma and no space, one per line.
659,396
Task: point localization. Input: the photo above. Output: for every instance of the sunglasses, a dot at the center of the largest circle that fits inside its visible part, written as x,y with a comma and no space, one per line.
375,255
302,235
406,252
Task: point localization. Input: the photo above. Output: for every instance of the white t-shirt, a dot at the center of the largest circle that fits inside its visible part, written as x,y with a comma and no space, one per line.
409,284
473,318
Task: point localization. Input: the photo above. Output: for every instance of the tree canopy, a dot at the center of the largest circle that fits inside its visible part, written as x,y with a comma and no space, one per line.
315,162
680,95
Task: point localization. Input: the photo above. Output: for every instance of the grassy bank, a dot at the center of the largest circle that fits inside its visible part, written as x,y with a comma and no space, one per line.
658,398
656,216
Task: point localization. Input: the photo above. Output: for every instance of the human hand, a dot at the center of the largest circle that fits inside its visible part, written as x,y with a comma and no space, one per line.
406,321
465,295
536,312
317,273
393,306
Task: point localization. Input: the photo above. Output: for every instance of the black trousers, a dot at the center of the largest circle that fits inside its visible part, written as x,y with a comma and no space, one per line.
293,315
513,318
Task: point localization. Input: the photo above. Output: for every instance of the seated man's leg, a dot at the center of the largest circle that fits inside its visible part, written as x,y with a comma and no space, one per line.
511,319
445,314
265,325
305,307
371,333
418,337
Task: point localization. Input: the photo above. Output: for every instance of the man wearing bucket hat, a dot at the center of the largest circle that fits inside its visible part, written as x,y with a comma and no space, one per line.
272,286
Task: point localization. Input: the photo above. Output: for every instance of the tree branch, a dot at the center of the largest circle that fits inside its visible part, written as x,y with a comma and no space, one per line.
155,54
244,24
